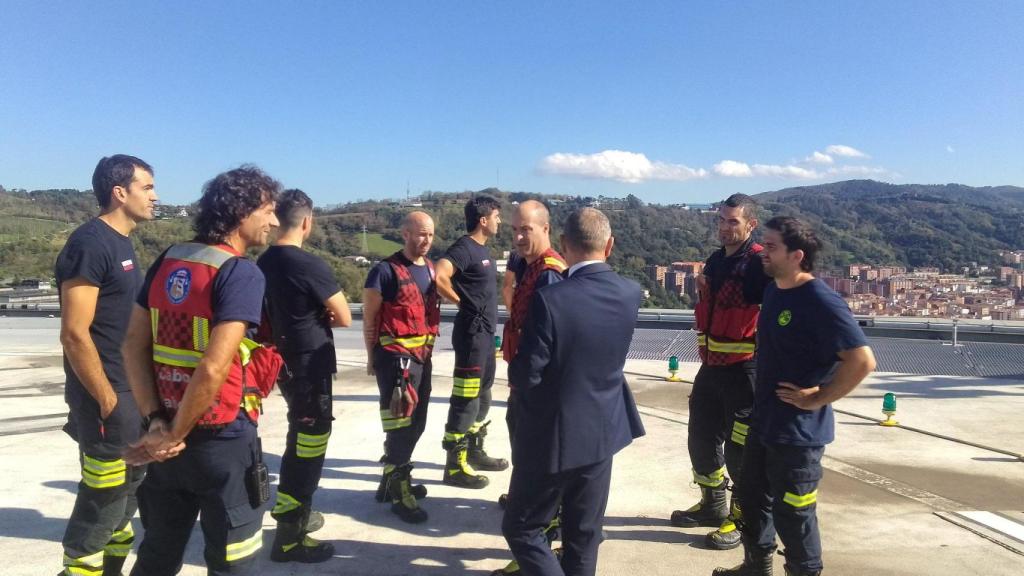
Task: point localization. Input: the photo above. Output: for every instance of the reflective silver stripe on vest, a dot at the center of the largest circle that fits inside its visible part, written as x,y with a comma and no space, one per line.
200,254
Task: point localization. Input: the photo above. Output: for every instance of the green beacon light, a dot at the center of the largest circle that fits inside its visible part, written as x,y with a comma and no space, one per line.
889,409
673,369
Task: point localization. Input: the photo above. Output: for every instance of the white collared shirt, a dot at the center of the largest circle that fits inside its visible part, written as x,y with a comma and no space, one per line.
578,265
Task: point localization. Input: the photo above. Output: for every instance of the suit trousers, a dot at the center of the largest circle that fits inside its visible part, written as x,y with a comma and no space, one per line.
533,501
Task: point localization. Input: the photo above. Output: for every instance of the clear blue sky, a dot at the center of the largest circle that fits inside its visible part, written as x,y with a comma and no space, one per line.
670,101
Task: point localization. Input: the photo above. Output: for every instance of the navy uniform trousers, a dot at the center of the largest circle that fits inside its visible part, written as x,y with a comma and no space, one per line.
779,494
99,533
207,480
720,407
310,420
475,364
401,433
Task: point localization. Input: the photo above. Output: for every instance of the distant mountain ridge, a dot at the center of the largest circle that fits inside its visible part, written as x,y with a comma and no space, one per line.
948,225
861,221
986,196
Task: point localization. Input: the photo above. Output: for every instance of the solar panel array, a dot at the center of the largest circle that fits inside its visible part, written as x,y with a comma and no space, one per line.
931,357
901,355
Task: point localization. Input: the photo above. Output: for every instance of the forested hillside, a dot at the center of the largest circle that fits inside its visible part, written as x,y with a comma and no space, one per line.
862,221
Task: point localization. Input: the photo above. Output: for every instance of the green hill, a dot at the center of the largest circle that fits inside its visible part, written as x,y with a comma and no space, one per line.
862,221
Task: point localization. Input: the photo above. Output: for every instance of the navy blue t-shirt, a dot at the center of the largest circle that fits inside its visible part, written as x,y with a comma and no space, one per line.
517,265
382,279
105,258
799,333
475,279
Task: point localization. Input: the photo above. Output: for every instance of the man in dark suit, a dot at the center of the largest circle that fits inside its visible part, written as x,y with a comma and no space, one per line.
575,410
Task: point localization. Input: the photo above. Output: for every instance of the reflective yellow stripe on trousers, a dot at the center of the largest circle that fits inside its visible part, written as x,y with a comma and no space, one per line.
245,548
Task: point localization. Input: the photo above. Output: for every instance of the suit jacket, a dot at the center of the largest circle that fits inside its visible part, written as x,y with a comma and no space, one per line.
575,407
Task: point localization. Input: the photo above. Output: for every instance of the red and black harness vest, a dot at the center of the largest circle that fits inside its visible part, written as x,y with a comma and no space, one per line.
726,323
409,324
548,260
181,308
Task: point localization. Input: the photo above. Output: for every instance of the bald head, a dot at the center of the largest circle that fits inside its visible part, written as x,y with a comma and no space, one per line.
534,211
530,229
417,219
587,235
418,234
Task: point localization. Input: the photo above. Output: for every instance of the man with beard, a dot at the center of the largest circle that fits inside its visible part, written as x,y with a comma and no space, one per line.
401,315
730,292
811,352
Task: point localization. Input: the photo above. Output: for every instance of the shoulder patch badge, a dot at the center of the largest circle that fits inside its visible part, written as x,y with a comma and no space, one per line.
178,283
785,317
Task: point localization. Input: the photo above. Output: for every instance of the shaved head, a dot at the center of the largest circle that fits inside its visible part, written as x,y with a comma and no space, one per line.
530,228
414,220
418,234
534,211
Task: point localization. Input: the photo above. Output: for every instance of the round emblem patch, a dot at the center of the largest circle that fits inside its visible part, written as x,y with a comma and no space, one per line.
784,317
178,284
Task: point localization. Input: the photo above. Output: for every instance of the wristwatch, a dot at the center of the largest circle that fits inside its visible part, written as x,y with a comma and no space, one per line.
148,419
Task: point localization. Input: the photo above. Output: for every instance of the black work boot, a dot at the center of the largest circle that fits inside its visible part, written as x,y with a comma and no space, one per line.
419,491
292,544
478,457
727,536
403,501
112,565
793,571
710,511
756,562
458,471
312,521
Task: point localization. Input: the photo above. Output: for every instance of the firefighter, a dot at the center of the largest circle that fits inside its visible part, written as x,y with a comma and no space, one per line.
730,292
98,278
534,265
401,314
466,275
811,352
303,303
191,370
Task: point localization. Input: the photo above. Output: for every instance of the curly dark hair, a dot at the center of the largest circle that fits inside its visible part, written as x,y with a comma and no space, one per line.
229,198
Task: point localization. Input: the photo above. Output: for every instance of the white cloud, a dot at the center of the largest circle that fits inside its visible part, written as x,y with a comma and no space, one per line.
949,148
634,167
819,158
785,171
631,167
732,169
845,151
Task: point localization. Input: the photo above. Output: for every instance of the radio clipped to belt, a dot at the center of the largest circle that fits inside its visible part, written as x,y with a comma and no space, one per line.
404,397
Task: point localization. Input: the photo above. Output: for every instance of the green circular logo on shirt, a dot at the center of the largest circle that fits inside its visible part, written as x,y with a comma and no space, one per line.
784,317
